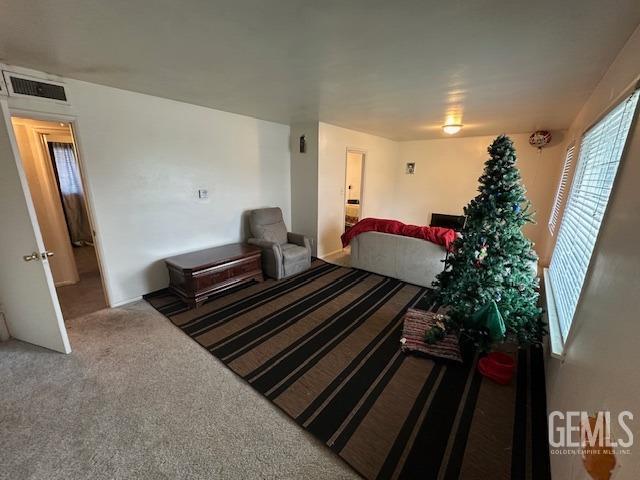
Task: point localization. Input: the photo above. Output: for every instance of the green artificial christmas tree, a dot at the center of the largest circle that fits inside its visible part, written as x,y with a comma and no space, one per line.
493,261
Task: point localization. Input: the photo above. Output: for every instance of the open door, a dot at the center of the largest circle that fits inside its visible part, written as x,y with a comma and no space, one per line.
27,293
354,178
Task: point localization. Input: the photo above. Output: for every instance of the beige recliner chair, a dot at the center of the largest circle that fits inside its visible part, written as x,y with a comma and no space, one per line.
283,253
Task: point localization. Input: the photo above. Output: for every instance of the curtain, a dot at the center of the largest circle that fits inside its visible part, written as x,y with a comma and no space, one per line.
71,193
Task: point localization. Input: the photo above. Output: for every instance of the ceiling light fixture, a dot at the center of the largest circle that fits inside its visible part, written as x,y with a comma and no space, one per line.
452,128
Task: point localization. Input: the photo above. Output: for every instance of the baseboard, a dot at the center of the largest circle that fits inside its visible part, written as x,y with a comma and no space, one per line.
125,302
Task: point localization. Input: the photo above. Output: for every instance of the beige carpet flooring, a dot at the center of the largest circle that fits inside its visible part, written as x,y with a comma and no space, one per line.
138,399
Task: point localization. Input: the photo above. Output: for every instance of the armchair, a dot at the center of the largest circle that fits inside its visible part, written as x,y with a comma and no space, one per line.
283,253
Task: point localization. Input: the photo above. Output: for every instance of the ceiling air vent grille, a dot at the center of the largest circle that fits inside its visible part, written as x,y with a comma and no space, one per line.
33,88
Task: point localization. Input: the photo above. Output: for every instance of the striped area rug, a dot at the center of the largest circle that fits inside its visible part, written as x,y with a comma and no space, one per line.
324,347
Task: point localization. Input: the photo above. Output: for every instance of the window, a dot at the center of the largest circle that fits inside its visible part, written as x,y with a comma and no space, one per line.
66,168
600,152
562,189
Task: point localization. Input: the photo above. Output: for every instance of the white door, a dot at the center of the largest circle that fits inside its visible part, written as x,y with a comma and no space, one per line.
27,294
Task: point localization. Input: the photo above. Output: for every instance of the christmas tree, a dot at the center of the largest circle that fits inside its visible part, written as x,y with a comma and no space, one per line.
493,261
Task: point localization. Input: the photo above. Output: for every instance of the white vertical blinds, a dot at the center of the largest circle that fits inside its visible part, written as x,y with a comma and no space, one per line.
600,152
562,189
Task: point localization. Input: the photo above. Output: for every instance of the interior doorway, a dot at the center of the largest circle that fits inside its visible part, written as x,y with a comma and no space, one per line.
50,161
354,178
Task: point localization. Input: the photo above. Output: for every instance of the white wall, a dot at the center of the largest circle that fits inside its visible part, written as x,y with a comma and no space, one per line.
4,331
145,158
304,182
600,369
378,186
447,172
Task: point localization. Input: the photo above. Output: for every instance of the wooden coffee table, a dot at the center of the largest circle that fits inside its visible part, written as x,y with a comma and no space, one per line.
195,276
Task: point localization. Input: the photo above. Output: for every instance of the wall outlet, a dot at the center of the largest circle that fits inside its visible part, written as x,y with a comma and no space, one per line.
203,194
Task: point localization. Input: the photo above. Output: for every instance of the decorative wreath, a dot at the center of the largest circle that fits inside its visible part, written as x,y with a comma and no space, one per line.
540,138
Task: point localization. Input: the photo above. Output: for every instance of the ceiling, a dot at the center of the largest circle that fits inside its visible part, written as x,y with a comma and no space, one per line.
396,69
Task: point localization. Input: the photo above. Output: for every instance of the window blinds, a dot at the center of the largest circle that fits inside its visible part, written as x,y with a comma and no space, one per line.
600,152
562,189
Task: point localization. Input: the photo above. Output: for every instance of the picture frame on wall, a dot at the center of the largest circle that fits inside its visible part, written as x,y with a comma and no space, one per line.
410,168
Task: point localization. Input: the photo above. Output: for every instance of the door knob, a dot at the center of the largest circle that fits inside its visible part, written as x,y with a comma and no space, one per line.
45,255
33,256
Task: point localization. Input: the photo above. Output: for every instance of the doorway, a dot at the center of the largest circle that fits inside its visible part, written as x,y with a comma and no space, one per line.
50,161
354,176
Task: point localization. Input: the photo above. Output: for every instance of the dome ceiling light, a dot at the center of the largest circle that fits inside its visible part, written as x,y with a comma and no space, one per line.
452,128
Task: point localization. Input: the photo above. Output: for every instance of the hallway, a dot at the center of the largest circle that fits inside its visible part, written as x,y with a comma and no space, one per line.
86,296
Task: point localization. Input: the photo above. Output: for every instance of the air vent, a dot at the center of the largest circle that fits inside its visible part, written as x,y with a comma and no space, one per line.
26,86
32,88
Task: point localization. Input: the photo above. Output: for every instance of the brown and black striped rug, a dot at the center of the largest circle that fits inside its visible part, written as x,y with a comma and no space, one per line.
324,347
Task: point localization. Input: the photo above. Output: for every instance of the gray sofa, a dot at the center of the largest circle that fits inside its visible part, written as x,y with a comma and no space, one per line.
283,253
412,260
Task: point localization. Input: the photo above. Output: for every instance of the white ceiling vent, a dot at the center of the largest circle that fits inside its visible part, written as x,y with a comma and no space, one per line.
24,86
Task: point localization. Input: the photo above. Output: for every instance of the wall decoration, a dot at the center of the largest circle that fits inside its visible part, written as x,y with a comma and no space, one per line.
410,169
540,139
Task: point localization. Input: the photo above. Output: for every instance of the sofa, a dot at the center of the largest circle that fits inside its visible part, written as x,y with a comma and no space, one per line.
283,253
409,259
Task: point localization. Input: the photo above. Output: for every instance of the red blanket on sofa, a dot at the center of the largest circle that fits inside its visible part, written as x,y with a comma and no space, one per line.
437,235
